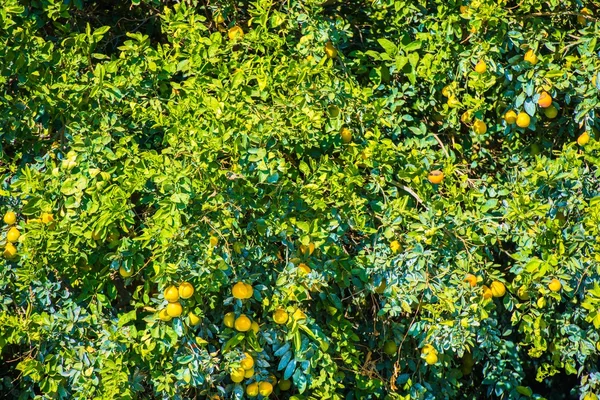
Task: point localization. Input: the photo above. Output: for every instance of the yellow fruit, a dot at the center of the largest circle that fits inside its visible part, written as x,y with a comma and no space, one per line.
304,269
480,67
265,388
346,135
330,50
487,292
47,218
163,315
453,102
252,389
125,273
247,362
255,327
186,290
237,375
235,33
531,57
541,302
280,316
511,117
431,358
240,291
229,319
522,293
472,279
545,100
249,373
551,112
464,9
583,139
10,218
284,385
436,177
249,290
10,250
242,323
395,246
554,285
390,348
214,241
193,319
446,91
174,309
498,289
13,234
171,294
523,120
466,117
479,127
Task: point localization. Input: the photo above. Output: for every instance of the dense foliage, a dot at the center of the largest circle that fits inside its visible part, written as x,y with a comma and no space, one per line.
279,156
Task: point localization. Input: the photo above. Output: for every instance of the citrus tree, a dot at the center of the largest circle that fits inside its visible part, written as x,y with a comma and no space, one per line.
300,199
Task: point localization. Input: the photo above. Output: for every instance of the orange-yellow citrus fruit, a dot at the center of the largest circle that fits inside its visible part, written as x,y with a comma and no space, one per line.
163,315
346,135
395,246
531,57
10,218
242,323
265,388
252,389
171,294
431,358
237,375
472,279
13,234
186,290
487,292
480,67
479,127
280,316
235,33
10,250
229,319
436,177
554,285
510,117
583,139
523,120
255,327
247,362
545,100
47,218
174,309
240,291
249,373
330,50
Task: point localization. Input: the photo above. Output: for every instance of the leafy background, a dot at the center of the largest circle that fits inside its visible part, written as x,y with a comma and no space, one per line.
145,131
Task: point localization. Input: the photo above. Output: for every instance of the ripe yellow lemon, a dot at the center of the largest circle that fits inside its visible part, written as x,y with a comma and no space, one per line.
395,246
13,234
554,285
427,349
249,373
583,139
229,319
240,291
174,309
284,385
390,348
480,67
431,358
436,177
237,375
498,289
163,315
255,327
479,127
186,290
472,279
171,294
235,33
487,292
47,218
545,100
523,120
247,362
10,218
330,50
214,241
551,112
193,319
346,135
265,388
10,250
280,316
242,323
531,57
249,290
511,117
252,389
522,293
304,269
125,273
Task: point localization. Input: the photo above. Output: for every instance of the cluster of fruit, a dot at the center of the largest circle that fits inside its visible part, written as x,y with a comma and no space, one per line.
12,235
174,309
